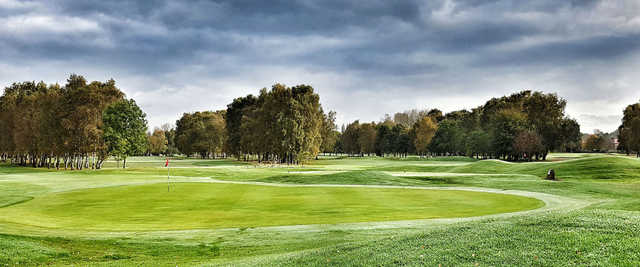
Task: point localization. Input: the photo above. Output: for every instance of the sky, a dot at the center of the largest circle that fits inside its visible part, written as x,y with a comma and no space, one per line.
364,58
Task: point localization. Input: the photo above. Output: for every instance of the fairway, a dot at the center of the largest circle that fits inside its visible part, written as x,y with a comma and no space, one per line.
210,206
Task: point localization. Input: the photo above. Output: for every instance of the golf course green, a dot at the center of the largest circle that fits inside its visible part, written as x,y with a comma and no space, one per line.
211,206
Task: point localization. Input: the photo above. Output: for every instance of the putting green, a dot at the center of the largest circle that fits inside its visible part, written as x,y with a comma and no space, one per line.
204,205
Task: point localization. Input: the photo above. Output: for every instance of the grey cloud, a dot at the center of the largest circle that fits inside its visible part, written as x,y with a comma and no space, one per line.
605,48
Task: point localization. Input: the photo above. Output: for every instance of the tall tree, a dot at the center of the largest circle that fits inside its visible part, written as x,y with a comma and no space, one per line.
157,142
630,129
329,132
367,138
350,137
570,135
478,143
506,125
545,114
238,113
425,129
448,139
385,138
201,132
125,127
170,136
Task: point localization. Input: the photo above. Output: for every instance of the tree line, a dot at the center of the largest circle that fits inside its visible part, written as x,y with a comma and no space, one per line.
80,124
523,126
74,126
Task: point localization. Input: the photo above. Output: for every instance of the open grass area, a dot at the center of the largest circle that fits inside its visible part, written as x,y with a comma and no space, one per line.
218,209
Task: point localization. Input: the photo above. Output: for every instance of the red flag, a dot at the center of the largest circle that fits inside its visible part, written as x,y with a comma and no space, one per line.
166,164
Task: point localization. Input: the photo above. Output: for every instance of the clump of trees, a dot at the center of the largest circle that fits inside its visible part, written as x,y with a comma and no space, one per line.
57,126
202,133
523,126
283,124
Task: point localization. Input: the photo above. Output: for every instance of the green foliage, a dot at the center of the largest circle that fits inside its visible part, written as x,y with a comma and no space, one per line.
570,135
125,127
478,143
449,138
284,124
201,132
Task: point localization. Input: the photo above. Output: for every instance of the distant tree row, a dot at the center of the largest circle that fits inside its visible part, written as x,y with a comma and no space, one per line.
75,126
523,126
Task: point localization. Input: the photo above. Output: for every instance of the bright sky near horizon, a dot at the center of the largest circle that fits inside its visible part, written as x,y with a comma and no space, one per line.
365,58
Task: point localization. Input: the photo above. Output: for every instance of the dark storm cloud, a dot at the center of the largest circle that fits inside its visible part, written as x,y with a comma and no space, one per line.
419,48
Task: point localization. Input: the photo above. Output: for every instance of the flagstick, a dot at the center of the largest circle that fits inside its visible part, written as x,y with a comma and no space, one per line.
167,176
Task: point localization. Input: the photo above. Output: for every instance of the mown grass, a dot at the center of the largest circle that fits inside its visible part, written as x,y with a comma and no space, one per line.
604,233
212,206
588,238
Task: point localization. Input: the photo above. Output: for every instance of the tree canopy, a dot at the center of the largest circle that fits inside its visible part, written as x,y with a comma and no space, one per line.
203,133
283,124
